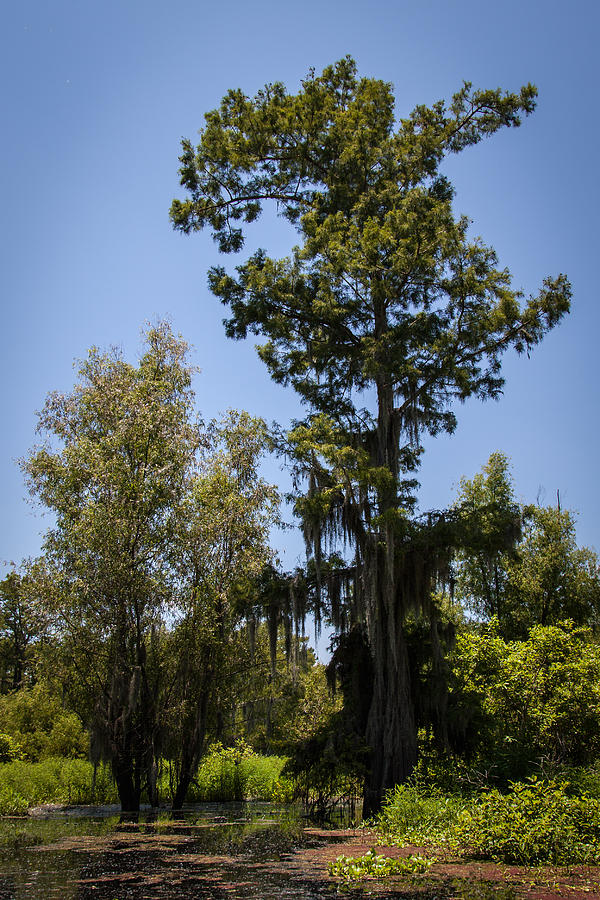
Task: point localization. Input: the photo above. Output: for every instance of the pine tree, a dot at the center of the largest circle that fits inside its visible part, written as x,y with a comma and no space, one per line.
385,313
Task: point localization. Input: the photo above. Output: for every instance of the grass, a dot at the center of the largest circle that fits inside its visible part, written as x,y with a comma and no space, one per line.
236,773
225,774
55,780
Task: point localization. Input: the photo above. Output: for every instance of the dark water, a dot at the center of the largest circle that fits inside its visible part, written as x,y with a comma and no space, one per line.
211,851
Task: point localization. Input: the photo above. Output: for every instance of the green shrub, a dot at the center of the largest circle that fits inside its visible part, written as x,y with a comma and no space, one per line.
9,748
583,780
261,776
70,781
419,814
40,726
517,705
237,773
12,803
535,822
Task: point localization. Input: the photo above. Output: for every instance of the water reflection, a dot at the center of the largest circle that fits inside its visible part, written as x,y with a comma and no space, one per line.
231,850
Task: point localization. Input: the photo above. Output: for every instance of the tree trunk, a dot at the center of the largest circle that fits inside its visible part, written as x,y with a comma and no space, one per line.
152,780
391,728
183,783
192,750
128,786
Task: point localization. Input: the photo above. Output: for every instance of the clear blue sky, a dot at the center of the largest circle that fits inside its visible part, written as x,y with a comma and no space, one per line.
96,97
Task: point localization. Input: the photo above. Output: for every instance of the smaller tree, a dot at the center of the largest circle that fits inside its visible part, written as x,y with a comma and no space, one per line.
523,564
22,624
482,569
114,472
551,578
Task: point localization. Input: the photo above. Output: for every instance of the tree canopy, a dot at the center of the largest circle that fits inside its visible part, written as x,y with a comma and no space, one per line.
158,518
538,577
385,313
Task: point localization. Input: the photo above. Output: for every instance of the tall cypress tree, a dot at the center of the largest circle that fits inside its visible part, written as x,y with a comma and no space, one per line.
385,313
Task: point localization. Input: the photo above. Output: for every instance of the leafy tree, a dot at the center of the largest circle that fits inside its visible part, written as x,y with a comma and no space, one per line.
22,625
385,313
551,578
539,576
221,546
40,726
114,472
520,704
482,569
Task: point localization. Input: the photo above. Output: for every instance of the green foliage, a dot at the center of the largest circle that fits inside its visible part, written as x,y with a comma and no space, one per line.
524,704
535,822
113,471
375,865
551,578
385,313
55,780
220,550
417,813
22,624
482,569
314,708
236,773
327,768
40,727
524,565
9,748
328,757
161,526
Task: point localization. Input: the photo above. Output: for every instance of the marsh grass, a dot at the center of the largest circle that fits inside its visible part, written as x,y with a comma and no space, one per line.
225,774
236,773
417,814
55,780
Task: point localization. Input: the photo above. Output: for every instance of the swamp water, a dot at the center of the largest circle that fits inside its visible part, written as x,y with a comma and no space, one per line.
210,851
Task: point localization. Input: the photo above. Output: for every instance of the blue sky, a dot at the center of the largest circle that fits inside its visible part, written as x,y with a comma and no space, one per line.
96,97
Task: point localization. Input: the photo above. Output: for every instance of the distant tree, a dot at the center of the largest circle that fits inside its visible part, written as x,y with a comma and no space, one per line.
551,578
540,576
482,569
385,314
22,625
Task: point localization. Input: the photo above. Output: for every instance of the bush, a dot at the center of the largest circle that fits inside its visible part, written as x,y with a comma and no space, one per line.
237,773
418,814
40,726
12,803
519,705
70,781
535,822
9,748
